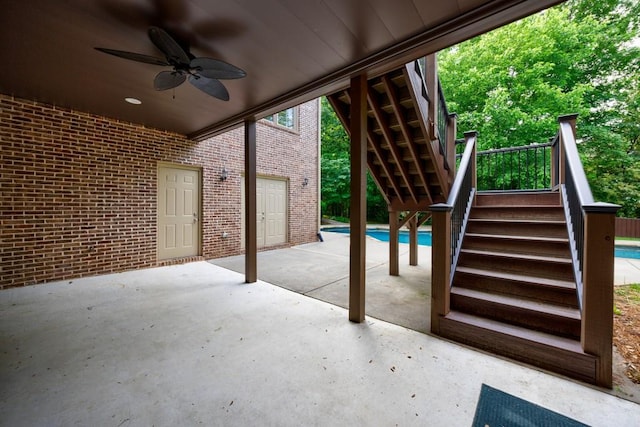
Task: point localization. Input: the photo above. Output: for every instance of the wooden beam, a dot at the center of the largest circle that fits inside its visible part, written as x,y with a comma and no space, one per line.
424,219
343,115
394,253
358,223
251,239
597,299
440,264
406,133
393,148
377,177
413,241
407,218
422,205
422,107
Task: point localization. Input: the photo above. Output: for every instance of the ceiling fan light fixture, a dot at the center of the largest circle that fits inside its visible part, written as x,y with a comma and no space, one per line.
203,73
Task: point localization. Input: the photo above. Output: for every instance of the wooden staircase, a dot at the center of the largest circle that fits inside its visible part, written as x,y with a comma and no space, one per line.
404,155
513,290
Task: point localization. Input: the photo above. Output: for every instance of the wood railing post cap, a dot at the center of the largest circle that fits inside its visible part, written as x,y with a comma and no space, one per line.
471,133
601,207
567,117
441,207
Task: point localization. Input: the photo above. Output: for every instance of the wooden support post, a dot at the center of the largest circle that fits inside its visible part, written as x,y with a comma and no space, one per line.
358,206
474,163
251,241
557,164
597,294
394,253
440,263
571,119
413,240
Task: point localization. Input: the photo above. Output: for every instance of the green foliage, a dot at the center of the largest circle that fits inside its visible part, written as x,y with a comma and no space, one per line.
336,176
630,292
512,84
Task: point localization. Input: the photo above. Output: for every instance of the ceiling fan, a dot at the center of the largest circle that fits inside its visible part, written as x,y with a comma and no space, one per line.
203,73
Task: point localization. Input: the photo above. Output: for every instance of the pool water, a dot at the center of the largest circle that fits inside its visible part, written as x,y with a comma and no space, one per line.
424,239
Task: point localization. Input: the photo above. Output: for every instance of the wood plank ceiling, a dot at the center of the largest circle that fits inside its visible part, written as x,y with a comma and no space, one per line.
292,50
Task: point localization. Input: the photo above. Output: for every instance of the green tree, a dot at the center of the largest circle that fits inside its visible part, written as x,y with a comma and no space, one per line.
335,168
512,84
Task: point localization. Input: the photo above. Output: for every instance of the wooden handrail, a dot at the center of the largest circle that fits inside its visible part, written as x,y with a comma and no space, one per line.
448,225
567,136
591,228
471,138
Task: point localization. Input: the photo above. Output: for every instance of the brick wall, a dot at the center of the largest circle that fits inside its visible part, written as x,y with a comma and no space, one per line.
78,192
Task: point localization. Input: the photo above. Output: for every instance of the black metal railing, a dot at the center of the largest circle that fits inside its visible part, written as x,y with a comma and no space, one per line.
555,163
442,120
443,116
460,199
528,167
421,70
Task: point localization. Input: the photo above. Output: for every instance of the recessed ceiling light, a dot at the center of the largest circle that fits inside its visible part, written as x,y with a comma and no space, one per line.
134,101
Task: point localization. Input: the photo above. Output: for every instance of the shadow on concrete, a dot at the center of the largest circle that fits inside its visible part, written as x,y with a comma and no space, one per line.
321,270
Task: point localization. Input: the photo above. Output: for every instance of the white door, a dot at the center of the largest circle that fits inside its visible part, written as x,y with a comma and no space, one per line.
275,212
260,219
271,212
178,212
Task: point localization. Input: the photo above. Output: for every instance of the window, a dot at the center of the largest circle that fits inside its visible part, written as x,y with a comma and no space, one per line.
287,118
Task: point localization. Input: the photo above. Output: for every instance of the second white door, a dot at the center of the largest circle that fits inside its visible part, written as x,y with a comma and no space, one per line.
271,211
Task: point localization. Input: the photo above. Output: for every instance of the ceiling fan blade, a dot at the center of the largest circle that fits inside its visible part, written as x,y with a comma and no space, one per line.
168,80
172,50
134,56
216,69
212,87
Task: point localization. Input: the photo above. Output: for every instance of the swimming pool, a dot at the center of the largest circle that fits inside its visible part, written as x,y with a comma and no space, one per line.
424,239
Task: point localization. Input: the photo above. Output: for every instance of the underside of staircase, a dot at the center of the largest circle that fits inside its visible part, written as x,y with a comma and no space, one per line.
513,290
404,156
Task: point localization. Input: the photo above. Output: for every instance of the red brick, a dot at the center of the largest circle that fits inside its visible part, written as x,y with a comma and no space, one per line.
70,181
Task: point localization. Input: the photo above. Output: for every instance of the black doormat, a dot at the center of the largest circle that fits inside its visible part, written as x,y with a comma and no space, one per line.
499,409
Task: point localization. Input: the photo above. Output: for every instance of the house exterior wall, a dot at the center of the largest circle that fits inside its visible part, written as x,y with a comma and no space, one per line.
78,192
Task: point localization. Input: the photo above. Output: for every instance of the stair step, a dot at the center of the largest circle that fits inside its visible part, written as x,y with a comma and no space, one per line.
522,257
506,221
547,351
537,239
548,198
563,285
550,267
534,245
537,315
520,303
519,212
561,292
515,237
517,227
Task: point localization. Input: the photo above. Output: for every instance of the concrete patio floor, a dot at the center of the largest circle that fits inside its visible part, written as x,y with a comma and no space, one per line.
321,270
193,345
